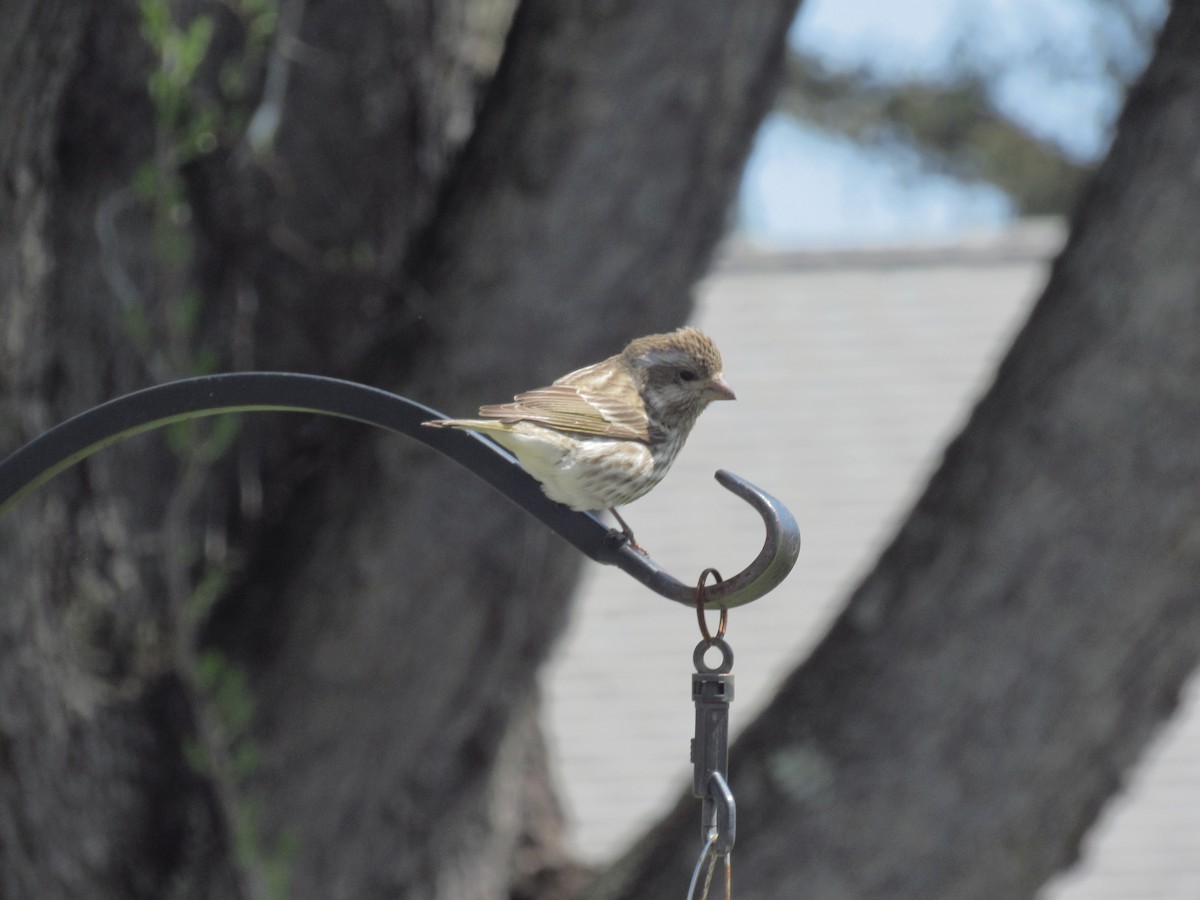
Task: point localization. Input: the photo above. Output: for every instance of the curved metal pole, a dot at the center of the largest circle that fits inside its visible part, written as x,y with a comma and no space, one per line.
77,438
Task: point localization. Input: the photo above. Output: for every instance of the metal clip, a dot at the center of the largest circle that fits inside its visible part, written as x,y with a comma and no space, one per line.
724,813
712,692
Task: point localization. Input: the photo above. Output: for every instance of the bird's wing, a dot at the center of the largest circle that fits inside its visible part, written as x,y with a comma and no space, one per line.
597,400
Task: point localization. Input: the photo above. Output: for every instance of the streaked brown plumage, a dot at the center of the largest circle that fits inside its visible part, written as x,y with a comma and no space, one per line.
604,435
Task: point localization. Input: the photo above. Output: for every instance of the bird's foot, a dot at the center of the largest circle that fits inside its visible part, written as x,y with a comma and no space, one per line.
627,533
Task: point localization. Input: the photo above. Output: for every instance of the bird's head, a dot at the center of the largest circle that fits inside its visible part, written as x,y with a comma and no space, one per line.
679,374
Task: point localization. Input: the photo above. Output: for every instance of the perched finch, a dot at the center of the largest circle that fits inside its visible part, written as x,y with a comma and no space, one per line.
604,435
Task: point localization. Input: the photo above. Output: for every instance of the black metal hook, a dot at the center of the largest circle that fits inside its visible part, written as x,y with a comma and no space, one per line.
79,437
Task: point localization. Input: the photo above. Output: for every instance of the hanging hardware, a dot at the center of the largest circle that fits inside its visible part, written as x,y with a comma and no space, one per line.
712,692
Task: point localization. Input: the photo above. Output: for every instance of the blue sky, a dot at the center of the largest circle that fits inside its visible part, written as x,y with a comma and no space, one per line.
804,188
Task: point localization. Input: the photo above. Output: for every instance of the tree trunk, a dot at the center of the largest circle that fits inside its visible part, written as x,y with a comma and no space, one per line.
358,719
1030,627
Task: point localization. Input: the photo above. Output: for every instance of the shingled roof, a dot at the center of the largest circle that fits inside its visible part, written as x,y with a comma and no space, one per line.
852,369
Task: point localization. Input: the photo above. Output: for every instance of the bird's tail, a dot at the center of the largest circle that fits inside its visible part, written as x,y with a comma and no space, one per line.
468,424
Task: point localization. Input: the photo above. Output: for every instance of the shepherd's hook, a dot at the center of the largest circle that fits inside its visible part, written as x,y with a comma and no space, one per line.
77,438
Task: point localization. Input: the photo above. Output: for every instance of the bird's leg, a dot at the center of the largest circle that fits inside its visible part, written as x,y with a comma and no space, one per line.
626,530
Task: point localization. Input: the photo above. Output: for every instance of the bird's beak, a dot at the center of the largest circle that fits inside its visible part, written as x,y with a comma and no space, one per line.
719,390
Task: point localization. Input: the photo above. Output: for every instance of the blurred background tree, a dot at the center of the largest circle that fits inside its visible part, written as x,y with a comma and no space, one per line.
282,657
956,116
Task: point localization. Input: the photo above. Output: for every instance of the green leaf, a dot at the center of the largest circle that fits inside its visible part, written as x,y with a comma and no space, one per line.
156,19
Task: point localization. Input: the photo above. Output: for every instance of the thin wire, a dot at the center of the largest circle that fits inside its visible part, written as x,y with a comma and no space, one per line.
727,861
712,867
704,853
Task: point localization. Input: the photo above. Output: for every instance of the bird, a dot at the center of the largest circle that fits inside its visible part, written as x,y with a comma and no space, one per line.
602,436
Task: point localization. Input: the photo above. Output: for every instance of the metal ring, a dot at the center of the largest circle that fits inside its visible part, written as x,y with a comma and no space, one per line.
703,647
723,622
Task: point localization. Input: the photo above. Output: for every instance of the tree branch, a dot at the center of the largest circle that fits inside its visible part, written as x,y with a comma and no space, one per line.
954,129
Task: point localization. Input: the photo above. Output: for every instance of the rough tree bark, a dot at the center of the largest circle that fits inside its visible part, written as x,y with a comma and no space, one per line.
359,716
994,678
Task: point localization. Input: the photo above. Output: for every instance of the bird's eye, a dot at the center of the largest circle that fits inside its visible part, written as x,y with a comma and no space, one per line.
688,375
